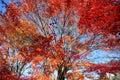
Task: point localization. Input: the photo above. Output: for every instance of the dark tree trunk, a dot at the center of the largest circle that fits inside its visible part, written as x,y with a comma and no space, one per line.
62,70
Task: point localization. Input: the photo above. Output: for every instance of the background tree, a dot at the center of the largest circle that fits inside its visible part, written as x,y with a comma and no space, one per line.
54,37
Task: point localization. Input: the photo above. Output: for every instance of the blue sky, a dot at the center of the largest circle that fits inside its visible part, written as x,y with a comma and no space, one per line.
1,6
101,56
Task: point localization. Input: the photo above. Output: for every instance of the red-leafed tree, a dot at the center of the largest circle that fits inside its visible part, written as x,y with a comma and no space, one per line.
44,38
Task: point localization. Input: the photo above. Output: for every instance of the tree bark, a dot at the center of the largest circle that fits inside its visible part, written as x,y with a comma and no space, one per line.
62,70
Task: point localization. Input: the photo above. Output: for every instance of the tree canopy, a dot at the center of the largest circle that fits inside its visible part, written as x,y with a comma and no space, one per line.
51,39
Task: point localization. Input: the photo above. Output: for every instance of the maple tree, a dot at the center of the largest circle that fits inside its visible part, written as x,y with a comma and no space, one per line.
54,37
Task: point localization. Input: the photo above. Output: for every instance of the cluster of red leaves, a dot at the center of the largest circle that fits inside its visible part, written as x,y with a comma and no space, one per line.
40,47
5,74
98,16
110,67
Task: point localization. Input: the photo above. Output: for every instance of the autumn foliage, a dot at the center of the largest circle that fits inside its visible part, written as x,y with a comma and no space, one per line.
51,39
110,67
